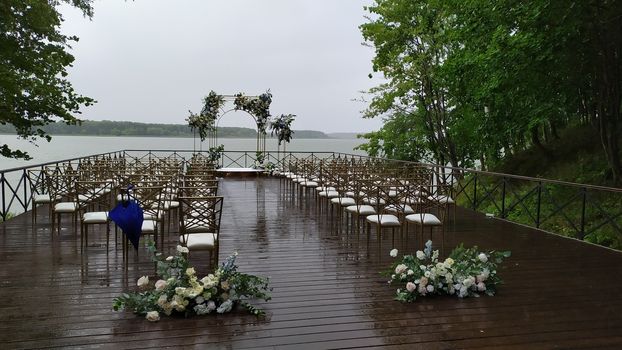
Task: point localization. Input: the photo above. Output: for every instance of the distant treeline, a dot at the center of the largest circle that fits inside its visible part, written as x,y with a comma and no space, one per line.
118,128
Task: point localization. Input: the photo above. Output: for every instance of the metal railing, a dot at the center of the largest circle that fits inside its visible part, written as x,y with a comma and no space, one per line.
576,210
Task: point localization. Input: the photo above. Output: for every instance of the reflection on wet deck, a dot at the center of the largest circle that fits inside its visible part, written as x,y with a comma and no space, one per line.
327,289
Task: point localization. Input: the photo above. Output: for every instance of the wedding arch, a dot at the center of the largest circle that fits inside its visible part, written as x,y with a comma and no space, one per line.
216,106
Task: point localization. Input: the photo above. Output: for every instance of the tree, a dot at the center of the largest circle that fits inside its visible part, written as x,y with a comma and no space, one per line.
34,90
481,79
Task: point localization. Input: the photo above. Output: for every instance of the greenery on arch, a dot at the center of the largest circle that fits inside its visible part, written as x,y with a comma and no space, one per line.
281,127
258,106
206,120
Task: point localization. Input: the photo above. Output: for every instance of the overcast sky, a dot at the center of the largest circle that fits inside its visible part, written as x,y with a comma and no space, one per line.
153,60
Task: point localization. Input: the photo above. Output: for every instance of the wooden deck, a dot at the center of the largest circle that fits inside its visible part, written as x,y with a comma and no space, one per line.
558,293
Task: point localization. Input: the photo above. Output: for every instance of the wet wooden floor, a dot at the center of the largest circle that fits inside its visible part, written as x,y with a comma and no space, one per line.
328,293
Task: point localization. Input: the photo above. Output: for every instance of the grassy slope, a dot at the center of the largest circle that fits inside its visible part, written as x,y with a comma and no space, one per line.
576,157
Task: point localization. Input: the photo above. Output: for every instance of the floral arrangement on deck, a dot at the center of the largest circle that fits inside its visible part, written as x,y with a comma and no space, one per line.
467,272
260,158
215,153
258,106
179,290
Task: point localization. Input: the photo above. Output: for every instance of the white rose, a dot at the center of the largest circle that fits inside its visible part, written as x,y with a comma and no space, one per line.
482,257
420,255
183,250
393,253
143,281
169,258
430,288
427,274
468,282
152,316
160,285
190,271
399,269
410,272
481,287
448,262
410,287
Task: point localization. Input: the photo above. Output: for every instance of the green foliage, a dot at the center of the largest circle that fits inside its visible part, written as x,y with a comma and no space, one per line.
281,127
34,90
481,80
215,153
206,120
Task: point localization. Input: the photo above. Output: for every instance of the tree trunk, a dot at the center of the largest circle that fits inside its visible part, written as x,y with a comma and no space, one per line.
554,130
535,140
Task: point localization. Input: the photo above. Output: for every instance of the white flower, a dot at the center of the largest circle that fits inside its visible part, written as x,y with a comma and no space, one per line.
152,316
169,258
430,288
190,271
481,287
463,292
162,300
143,281
200,300
482,257
183,250
483,276
410,272
435,255
411,287
160,285
393,253
468,282
224,285
422,267
427,274
225,307
448,263
211,306
399,269
420,255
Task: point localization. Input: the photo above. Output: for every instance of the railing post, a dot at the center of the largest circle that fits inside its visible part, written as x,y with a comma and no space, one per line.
26,182
583,202
503,198
245,159
3,214
538,206
475,192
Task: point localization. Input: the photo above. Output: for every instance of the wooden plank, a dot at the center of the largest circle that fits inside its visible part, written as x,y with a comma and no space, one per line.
327,289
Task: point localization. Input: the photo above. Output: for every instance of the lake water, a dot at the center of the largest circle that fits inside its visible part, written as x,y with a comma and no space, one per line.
63,147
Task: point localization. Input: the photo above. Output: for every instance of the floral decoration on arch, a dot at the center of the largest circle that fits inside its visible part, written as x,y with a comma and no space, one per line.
281,127
258,106
205,121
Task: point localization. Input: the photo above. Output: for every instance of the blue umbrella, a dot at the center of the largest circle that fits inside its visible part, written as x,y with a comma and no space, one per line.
128,215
